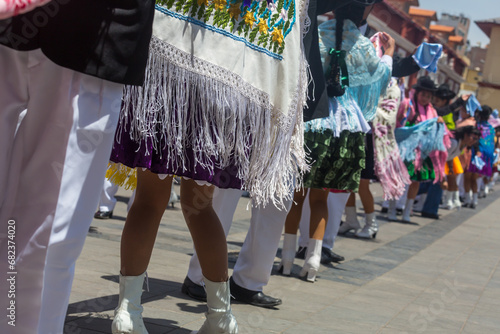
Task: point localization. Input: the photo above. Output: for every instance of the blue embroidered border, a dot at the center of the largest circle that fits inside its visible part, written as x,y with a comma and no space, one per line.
217,30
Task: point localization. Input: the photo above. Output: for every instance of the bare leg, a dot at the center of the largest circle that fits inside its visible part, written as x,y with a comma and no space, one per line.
206,230
293,218
473,180
319,213
467,182
366,196
143,220
452,183
351,201
413,190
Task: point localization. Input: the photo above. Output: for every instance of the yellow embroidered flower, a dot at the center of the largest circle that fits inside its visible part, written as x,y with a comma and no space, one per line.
249,19
277,36
263,28
220,4
234,11
202,2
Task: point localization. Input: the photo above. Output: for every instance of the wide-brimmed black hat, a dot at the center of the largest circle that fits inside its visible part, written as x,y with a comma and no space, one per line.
425,83
444,92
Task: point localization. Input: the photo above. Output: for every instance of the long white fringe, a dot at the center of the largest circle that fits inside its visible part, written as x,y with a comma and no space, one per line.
228,119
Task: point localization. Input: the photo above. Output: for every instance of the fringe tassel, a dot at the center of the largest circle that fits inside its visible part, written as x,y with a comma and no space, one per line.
226,118
122,175
393,176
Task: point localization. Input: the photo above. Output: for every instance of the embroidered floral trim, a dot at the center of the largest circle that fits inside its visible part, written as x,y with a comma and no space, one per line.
265,24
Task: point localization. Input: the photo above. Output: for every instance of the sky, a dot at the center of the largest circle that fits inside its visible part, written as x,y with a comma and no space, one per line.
476,10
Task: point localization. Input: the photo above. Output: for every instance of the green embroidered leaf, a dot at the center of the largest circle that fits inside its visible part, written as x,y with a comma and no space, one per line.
266,40
253,34
178,6
274,19
169,3
208,13
247,29
194,8
225,18
291,11
201,12
280,6
187,6
216,18
275,46
281,48
287,25
262,9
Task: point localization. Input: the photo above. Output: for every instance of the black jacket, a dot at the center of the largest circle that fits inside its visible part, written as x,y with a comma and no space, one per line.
317,103
108,39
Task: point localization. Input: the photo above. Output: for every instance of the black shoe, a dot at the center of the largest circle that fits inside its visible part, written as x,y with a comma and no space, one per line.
333,257
384,210
194,290
103,214
256,298
430,215
301,253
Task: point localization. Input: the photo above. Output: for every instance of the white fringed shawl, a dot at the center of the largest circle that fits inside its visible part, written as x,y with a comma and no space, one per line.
245,70
389,166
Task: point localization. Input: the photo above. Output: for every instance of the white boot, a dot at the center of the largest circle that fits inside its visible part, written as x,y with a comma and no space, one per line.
371,227
351,220
447,200
128,314
474,201
219,316
407,210
420,204
288,253
313,259
456,200
392,216
468,200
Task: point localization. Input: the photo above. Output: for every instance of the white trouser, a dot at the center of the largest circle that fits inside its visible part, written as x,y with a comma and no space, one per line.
336,206
255,261
51,173
460,183
108,200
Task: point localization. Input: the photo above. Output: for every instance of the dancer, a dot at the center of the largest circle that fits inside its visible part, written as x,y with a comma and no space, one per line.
68,74
482,155
336,142
207,115
412,112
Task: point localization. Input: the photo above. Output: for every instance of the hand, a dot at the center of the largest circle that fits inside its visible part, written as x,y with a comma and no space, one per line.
440,119
388,44
465,97
444,185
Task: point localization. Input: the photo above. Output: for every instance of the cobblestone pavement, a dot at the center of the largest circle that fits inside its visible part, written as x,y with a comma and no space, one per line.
431,276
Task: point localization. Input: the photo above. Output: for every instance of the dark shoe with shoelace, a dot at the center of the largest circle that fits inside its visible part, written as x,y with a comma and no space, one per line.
332,256
103,214
194,290
301,253
256,298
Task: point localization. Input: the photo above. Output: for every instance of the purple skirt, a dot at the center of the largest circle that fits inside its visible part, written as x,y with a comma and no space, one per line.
165,160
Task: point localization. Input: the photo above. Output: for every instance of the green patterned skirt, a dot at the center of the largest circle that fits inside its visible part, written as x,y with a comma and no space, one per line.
337,162
425,173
